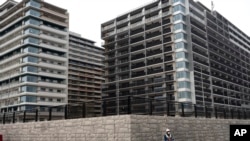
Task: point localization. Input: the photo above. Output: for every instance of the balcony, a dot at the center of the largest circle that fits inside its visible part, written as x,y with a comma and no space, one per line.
198,34
137,56
138,83
154,52
166,30
198,88
153,43
138,39
168,58
199,51
123,61
140,47
169,68
219,101
137,74
138,65
168,49
151,10
152,19
218,92
207,90
122,29
206,81
165,4
125,85
166,21
136,31
154,34
155,70
135,16
199,98
109,88
122,21
196,59
120,45
108,26
167,39
136,24
153,25
109,33
199,43
154,61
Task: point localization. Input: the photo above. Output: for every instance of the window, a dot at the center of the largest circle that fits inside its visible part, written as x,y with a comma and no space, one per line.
179,17
179,8
181,55
32,21
184,95
182,65
42,98
30,59
32,30
183,74
182,1
29,69
29,89
43,89
33,13
33,3
28,99
29,107
29,78
31,40
180,36
31,49
184,84
179,26
180,45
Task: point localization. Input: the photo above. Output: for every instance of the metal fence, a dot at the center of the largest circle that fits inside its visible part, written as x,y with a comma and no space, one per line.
125,105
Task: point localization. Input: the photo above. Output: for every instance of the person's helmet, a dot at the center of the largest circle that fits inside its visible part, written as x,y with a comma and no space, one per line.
167,130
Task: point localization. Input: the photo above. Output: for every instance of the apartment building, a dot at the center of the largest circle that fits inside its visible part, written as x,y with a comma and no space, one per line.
85,73
33,55
176,50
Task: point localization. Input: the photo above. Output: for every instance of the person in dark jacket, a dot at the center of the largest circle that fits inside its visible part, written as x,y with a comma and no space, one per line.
168,136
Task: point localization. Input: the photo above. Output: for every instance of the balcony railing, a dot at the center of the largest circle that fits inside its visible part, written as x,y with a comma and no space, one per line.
137,48
153,43
122,21
152,71
136,24
154,52
153,25
138,65
153,18
137,74
138,56
135,16
154,61
154,34
151,10
138,39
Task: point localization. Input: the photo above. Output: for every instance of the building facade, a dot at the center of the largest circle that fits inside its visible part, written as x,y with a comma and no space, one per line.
33,55
176,50
85,73
42,64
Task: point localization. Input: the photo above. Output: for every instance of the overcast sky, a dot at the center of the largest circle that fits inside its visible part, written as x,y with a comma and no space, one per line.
86,16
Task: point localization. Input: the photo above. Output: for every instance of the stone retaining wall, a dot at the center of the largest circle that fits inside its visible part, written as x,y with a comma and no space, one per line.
121,128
